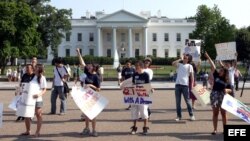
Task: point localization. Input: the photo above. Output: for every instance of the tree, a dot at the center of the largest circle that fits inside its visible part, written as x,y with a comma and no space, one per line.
212,28
243,43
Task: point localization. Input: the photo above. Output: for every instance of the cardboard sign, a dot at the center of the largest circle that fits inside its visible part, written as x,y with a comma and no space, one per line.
236,108
226,51
202,94
88,101
26,106
1,115
137,94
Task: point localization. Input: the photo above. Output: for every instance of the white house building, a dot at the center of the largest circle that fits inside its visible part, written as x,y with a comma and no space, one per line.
126,33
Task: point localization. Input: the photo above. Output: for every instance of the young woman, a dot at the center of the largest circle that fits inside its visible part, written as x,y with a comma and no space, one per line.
140,111
92,81
220,88
39,102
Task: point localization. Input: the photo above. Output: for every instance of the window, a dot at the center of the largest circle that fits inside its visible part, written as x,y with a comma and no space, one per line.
79,37
178,53
122,37
91,37
80,51
137,37
166,53
166,38
67,52
91,52
68,37
178,37
137,52
154,37
189,35
109,37
154,52
108,52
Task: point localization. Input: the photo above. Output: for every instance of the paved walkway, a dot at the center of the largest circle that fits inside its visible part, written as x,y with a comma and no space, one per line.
112,85
113,124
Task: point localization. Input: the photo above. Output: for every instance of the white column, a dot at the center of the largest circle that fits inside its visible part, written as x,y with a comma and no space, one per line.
99,42
130,48
115,53
146,41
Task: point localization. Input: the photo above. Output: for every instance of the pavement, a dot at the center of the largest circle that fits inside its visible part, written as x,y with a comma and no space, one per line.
113,123
113,85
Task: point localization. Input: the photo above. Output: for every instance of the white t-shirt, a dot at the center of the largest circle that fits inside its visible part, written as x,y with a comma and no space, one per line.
149,72
43,84
183,73
231,72
57,78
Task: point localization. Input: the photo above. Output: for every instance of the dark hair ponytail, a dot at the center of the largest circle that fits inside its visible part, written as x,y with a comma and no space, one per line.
39,74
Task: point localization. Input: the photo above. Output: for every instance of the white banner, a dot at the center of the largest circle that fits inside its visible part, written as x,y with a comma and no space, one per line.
236,108
26,106
88,101
137,94
1,115
14,103
202,94
226,51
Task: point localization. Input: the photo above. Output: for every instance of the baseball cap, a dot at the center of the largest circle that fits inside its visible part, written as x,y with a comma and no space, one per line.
148,59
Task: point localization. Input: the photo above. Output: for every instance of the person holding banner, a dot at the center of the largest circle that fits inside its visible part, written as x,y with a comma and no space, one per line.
92,80
184,71
40,78
140,111
220,88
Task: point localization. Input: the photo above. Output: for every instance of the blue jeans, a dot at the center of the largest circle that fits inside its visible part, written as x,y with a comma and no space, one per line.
58,90
181,89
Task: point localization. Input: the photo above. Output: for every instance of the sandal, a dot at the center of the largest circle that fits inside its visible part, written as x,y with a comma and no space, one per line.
213,133
25,134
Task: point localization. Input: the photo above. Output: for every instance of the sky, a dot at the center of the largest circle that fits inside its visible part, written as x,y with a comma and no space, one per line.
236,11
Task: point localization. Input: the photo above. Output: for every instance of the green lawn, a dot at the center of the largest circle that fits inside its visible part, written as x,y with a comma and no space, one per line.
109,72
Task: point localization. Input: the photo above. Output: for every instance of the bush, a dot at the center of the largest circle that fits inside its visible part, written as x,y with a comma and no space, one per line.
109,60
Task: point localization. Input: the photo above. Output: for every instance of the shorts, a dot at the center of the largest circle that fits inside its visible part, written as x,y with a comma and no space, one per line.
216,98
39,104
139,111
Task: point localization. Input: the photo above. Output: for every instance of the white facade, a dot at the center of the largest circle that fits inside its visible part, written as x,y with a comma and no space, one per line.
128,34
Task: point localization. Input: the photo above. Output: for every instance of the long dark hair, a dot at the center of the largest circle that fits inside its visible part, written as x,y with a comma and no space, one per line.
40,70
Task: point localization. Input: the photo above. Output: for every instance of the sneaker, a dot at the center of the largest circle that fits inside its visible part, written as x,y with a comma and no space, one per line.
94,134
178,119
85,131
192,118
134,129
145,130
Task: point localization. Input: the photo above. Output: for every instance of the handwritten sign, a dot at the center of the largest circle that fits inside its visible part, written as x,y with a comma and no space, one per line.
1,115
137,94
126,83
26,106
88,101
226,51
202,94
236,108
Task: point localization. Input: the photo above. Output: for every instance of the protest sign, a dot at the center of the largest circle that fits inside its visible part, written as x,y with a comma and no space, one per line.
1,115
193,48
138,94
126,83
26,105
13,104
202,94
88,101
236,108
226,51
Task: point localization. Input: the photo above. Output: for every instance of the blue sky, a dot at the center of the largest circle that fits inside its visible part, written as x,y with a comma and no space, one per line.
237,11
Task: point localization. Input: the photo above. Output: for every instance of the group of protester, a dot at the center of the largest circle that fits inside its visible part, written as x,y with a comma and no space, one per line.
141,74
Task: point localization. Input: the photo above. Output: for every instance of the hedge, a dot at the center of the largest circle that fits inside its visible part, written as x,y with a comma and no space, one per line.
109,60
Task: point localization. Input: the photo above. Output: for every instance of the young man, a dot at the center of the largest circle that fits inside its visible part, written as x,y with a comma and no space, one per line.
184,70
60,76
